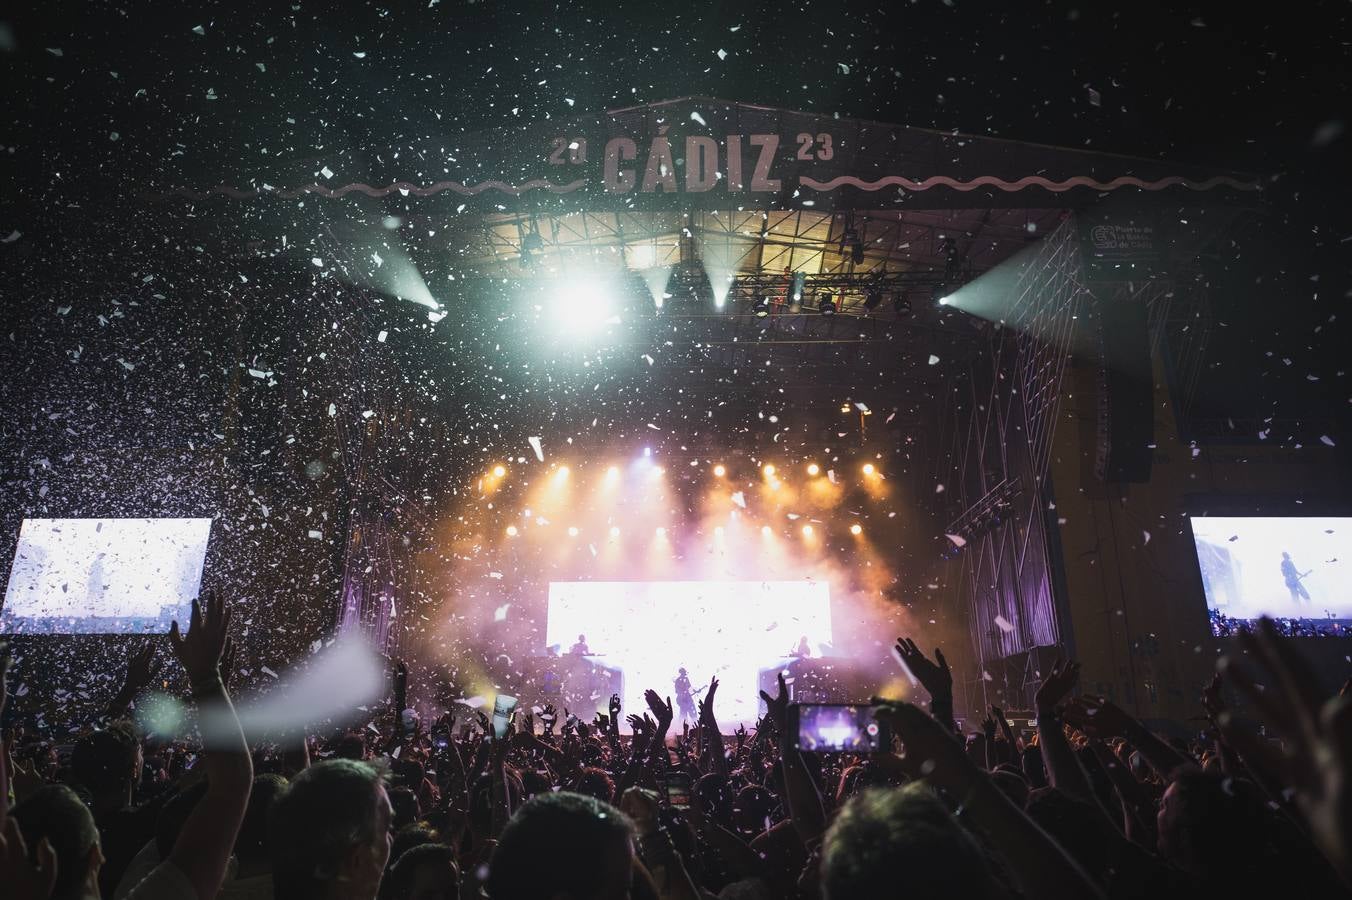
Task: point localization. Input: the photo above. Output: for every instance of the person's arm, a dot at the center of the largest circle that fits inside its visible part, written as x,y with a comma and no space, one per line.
1101,718
1063,770
207,838
655,847
806,809
1317,733
142,667
502,793
1037,864
933,677
713,737
1014,741
1137,824
658,760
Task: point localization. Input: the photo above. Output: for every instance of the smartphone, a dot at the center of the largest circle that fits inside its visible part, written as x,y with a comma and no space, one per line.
678,789
836,728
502,714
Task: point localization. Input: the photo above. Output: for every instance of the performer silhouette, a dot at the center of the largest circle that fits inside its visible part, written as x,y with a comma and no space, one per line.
685,698
580,648
1292,578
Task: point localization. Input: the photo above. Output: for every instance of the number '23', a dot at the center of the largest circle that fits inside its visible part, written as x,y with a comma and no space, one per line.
823,142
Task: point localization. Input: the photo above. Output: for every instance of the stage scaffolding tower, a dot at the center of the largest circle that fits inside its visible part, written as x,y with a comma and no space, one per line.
1000,438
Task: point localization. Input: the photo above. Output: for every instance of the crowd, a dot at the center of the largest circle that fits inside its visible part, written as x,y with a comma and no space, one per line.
1092,805
1229,626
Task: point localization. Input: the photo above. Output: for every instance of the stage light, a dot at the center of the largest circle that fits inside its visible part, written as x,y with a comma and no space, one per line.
814,469
807,531
661,532
561,474
769,471
499,471
765,530
856,529
868,469
797,286
762,307
572,531
718,532
943,301
826,305
511,531
873,298
614,531
720,471
902,304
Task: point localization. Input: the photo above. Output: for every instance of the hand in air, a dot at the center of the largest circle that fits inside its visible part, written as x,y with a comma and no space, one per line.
1055,687
777,708
200,650
935,678
661,710
615,707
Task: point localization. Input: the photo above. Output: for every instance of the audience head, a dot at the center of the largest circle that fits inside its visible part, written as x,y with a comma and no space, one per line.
251,845
584,844
596,782
330,832
891,836
425,872
56,813
1209,826
108,763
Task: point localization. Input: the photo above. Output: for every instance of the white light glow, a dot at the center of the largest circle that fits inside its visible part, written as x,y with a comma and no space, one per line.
611,613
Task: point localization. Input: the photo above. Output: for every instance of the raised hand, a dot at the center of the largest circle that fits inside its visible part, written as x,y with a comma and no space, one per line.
199,651
1316,737
777,708
1097,717
549,716
931,750
988,728
1055,686
142,667
935,678
1211,698
28,880
706,705
637,725
740,734
661,711
615,707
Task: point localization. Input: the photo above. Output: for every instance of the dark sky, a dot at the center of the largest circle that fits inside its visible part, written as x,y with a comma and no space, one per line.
105,97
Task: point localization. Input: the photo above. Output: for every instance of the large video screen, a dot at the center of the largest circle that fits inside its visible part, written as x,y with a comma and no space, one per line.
1285,567
104,576
650,631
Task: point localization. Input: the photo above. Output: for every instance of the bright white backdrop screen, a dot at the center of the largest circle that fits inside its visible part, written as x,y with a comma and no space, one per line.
103,576
728,629
1245,574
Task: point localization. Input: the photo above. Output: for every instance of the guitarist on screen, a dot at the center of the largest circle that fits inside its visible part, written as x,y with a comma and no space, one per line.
1292,579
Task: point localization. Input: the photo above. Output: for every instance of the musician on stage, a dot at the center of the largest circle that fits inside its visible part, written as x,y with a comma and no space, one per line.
685,698
1292,577
580,648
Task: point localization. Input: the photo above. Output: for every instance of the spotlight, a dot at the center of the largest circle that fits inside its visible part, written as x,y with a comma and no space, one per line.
814,469
943,301
661,532
856,529
511,531
720,471
499,471
796,289
572,532
765,530
873,298
762,307
561,474
826,305
807,531
902,304
769,470
614,531
718,532
868,468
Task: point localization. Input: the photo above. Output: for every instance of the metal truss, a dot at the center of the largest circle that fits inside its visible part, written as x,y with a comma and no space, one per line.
1000,437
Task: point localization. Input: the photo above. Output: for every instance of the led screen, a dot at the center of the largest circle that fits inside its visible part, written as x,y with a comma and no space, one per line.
1291,568
725,629
103,576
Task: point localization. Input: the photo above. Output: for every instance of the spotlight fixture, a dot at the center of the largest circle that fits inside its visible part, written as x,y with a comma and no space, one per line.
873,298
813,469
807,531
661,532
761,307
720,471
796,288
614,531
499,471
856,529
902,304
769,470
765,530
851,239
511,531
826,304
718,532
868,468
572,532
